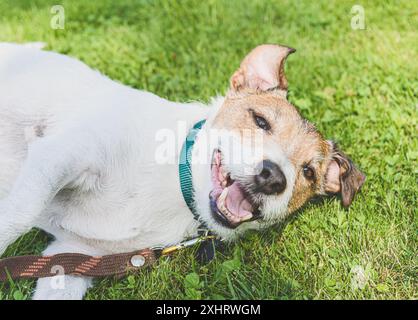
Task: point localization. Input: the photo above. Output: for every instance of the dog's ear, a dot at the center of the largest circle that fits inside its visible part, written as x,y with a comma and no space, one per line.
342,176
262,69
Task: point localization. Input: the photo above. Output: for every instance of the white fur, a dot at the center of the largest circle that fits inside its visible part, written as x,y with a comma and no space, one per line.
77,159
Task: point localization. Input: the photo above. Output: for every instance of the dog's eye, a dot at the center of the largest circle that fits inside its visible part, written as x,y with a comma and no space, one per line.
308,172
261,122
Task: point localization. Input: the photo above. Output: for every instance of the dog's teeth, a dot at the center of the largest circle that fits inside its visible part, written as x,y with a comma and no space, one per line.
223,195
223,177
221,203
247,217
223,209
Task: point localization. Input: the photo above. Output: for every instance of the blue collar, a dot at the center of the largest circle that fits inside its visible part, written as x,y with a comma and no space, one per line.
185,168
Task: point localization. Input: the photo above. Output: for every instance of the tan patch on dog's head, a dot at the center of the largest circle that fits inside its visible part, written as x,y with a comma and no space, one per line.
259,88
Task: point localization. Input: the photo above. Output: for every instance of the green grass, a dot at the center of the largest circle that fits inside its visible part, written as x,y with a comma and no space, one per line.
359,86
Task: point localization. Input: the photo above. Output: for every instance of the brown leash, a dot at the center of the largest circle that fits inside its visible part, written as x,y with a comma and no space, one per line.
76,264
117,265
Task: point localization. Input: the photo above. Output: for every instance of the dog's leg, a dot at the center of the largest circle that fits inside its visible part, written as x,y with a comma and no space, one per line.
63,287
51,164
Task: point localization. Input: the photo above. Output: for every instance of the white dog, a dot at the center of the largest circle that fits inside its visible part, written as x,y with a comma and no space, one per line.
95,163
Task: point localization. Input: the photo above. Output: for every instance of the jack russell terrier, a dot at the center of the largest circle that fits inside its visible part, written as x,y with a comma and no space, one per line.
96,164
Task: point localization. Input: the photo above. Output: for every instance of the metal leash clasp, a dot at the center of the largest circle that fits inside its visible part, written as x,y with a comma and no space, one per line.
188,243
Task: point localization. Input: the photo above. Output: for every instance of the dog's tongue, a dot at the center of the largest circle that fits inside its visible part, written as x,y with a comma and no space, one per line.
236,202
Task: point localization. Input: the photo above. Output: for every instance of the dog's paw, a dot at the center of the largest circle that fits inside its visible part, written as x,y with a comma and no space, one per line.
8,234
12,225
35,45
57,295
4,240
4,230
63,288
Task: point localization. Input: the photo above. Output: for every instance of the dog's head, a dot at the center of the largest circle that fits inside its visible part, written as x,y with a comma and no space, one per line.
268,161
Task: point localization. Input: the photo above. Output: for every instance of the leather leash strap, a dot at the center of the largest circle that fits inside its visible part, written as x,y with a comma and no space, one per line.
117,265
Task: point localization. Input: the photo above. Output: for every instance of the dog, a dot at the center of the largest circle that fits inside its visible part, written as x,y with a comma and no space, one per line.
89,160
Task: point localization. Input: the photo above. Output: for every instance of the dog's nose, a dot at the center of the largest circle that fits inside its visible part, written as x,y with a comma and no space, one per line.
270,178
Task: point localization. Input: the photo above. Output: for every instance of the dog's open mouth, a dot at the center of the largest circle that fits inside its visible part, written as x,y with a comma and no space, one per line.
230,203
